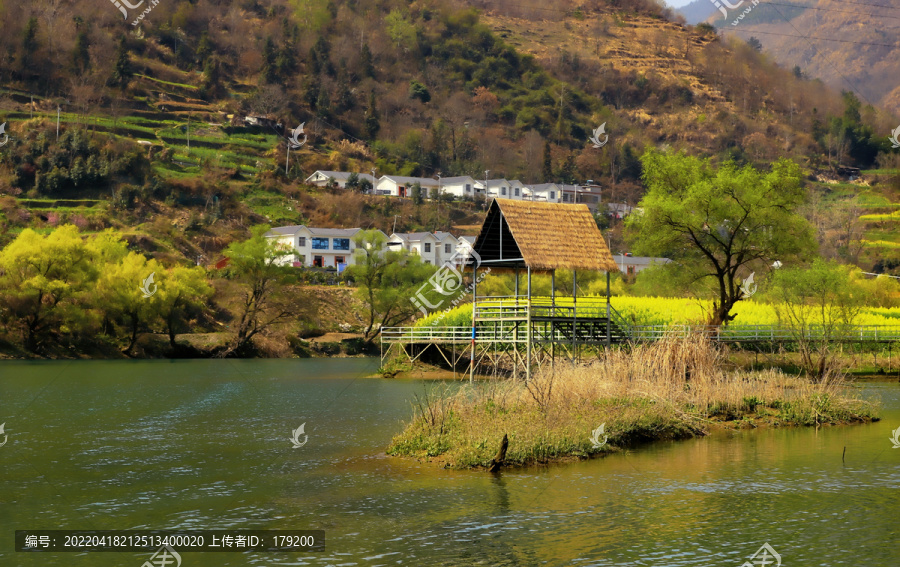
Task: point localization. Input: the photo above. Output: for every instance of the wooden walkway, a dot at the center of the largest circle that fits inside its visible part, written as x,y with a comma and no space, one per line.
644,333
512,335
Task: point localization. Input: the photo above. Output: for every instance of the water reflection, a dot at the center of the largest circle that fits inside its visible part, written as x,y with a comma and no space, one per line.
205,444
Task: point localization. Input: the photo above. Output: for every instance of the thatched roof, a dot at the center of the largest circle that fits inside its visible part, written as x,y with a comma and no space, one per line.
542,236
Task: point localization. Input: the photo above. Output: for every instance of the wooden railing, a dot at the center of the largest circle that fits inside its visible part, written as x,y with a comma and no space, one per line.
762,333
517,308
743,333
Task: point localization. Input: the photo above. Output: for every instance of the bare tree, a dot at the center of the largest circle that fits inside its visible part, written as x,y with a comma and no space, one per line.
269,99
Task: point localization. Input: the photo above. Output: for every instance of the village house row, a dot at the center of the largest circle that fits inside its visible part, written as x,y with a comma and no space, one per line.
334,247
466,187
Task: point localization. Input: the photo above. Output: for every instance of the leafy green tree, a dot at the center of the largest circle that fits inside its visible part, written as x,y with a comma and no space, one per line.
269,71
205,47
211,86
569,172
352,181
720,222
419,91
123,72
400,30
43,278
29,42
365,186
547,171
120,293
323,103
819,303
183,291
366,64
415,193
343,95
286,62
373,124
256,266
386,281
81,56
320,57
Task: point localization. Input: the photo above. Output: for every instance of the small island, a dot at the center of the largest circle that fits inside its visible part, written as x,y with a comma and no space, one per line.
671,389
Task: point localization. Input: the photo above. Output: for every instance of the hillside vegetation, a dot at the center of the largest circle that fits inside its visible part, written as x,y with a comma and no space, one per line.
422,88
850,46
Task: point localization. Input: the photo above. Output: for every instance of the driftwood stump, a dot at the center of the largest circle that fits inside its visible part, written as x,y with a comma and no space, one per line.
498,459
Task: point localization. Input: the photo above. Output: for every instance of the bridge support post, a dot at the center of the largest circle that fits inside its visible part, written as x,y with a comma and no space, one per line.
530,332
608,315
474,309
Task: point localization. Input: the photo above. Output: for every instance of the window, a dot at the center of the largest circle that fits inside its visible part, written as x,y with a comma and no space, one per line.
503,190
446,248
341,244
565,198
552,194
427,247
468,187
517,191
320,243
301,241
630,270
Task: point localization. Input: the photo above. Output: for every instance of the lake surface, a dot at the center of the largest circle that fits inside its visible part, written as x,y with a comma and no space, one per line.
206,445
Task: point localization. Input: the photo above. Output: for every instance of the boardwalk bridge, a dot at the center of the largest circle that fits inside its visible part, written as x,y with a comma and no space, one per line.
513,335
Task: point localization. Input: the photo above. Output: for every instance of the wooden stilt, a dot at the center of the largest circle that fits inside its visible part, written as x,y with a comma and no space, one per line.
528,330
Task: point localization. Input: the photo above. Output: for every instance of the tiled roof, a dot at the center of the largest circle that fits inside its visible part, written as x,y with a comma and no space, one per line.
412,235
425,181
294,229
455,180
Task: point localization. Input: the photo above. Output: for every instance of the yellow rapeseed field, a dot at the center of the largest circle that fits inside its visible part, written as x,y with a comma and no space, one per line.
676,311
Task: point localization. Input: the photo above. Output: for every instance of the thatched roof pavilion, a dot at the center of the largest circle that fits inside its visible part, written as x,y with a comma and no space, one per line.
543,237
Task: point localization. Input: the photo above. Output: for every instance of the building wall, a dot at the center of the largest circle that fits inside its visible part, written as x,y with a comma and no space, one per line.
322,180
326,250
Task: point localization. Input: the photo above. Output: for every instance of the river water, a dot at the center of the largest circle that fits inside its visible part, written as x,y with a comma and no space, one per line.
206,445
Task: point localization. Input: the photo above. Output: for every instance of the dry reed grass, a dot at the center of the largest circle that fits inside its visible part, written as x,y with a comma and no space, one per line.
665,390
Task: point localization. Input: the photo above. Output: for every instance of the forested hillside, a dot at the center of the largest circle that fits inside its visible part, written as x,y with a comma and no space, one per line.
851,46
422,88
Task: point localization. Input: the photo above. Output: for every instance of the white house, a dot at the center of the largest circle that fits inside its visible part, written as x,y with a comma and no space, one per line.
630,265
423,244
497,189
517,189
316,247
587,194
399,186
447,246
460,187
464,247
322,178
547,192
619,210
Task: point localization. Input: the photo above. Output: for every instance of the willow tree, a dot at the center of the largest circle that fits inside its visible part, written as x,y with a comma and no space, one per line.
720,223
387,281
257,265
43,279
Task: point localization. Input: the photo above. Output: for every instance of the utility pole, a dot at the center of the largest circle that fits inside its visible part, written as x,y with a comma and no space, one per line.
486,171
